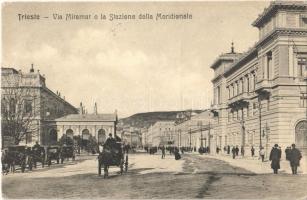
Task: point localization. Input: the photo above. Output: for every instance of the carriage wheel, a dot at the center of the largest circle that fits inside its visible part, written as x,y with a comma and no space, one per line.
126,164
121,168
99,168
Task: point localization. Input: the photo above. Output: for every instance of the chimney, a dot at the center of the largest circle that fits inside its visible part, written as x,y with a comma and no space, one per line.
95,109
81,109
232,48
32,68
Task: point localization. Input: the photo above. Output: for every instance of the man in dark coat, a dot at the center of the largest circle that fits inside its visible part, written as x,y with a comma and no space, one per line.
253,151
237,150
233,151
110,143
275,156
228,149
287,151
163,152
294,158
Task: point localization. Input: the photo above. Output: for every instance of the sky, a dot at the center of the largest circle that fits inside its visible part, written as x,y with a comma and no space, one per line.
131,66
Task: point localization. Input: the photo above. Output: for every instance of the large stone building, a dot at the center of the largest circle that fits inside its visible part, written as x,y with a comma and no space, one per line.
261,96
25,99
45,116
196,131
163,133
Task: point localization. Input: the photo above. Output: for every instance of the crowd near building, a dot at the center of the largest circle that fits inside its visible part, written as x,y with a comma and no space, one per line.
260,96
31,112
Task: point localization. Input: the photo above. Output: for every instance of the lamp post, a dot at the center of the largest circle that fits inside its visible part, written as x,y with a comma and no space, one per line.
190,139
259,110
200,124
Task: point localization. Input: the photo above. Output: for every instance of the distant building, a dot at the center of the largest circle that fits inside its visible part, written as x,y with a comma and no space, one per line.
85,125
25,96
196,131
260,97
163,133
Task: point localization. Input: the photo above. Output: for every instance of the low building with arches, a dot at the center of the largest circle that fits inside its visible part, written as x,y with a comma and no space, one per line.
98,126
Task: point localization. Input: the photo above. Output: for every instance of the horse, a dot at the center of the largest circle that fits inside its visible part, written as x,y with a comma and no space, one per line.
109,158
39,156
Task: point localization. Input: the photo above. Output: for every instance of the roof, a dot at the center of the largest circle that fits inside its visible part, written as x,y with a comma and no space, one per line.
88,117
224,57
276,5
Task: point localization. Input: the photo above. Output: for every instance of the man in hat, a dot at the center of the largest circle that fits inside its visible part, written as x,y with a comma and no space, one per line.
275,156
110,143
294,158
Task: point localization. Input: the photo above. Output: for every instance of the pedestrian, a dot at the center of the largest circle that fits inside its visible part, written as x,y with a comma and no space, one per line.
262,153
217,150
242,151
253,151
177,154
275,156
233,150
163,152
228,149
237,150
287,152
294,158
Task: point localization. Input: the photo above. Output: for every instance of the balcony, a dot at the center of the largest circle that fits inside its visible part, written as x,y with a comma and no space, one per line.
239,100
263,86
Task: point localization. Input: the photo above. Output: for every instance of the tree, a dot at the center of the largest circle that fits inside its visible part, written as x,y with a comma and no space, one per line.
65,140
19,109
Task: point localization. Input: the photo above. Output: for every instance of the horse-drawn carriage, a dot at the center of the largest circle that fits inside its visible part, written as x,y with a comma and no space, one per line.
17,156
38,154
53,153
67,152
113,156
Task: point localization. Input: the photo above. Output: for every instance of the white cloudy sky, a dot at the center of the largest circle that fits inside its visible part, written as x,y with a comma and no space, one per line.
132,66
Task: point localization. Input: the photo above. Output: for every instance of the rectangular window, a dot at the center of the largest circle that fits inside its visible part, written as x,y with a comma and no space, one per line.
28,106
247,86
28,138
269,65
303,100
302,66
218,95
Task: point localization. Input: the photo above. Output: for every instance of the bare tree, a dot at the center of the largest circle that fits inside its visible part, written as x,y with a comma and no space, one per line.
20,107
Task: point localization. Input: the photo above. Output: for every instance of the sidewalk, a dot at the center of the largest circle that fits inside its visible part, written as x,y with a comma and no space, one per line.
255,165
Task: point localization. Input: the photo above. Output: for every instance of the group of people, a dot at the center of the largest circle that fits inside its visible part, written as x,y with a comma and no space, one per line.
293,155
173,150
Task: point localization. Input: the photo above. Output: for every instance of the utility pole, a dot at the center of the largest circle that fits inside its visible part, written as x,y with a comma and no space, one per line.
259,108
190,138
209,136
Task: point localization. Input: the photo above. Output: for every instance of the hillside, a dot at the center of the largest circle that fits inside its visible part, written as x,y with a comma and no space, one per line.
144,120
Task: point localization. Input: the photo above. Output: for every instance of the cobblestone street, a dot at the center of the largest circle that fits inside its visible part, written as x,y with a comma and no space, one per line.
149,176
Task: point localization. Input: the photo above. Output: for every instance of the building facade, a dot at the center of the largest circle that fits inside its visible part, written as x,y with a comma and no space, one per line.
163,133
196,131
84,125
28,103
260,97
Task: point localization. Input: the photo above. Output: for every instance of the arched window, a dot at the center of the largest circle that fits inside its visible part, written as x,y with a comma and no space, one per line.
12,105
53,136
101,136
85,134
301,134
70,133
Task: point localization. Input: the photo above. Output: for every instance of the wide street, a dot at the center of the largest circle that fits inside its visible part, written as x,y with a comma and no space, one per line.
148,176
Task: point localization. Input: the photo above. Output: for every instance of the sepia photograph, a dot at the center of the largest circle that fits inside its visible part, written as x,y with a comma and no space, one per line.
154,100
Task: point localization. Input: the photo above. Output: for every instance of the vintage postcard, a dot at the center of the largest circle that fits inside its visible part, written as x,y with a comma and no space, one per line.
154,100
